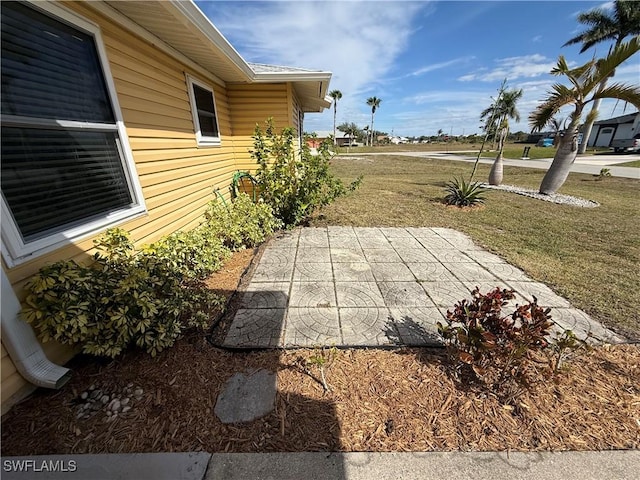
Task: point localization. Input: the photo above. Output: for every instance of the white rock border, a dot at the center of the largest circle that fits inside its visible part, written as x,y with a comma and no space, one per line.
553,198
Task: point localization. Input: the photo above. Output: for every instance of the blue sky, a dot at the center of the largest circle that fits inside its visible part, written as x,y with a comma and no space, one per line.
435,65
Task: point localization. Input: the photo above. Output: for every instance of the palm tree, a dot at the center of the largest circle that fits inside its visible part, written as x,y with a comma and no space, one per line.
336,95
623,21
374,103
557,125
351,129
502,110
585,82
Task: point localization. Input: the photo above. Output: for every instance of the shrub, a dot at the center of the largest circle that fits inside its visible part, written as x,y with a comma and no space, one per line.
293,184
147,297
120,299
242,224
502,351
193,254
463,194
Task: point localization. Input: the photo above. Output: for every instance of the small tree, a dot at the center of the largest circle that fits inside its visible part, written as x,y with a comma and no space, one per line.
499,114
293,185
351,129
586,81
603,27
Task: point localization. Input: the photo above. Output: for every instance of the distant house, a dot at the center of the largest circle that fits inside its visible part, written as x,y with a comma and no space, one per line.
605,131
119,114
398,140
342,138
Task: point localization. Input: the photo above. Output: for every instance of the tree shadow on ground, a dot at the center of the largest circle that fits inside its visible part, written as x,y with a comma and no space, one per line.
407,331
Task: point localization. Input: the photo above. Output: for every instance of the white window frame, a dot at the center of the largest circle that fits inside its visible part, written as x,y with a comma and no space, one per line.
202,140
14,250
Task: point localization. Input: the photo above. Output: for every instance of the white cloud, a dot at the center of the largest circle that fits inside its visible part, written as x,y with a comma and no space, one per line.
536,39
438,66
512,68
357,41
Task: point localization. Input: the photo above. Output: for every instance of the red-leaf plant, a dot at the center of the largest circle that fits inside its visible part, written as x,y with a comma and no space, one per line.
502,351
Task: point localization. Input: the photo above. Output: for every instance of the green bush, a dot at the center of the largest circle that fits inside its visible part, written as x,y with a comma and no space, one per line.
147,297
193,254
120,299
463,194
242,224
293,183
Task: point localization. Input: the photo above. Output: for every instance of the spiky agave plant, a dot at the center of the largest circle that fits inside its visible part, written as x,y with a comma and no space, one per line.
464,194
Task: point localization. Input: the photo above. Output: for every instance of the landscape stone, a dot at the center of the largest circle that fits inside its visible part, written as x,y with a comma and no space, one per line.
246,397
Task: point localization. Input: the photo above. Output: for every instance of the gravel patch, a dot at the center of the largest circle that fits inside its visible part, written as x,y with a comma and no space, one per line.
554,198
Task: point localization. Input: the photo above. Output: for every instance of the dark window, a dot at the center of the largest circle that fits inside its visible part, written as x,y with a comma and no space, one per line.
62,162
207,122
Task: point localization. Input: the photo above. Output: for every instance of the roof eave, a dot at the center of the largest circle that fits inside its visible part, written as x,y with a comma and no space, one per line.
196,17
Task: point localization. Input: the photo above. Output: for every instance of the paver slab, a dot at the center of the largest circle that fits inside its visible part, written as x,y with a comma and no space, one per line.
312,294
366,327
358,294
466,271
266,295
404,294
347,255
378,286
381,255
312,327
391,272
312,272
256,327
353,272
417,325
313,255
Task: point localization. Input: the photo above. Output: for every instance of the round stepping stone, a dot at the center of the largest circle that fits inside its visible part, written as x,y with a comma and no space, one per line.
246,397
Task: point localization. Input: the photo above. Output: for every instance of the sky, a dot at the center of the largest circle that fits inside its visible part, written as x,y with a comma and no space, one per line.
435,65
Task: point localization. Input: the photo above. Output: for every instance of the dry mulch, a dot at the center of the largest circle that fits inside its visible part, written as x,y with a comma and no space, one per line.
379,400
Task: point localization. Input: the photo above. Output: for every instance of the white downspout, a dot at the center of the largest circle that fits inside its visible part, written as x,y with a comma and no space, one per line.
23,347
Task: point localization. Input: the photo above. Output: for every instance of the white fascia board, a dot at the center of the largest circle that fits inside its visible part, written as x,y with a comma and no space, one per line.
271,77
198,19
157,42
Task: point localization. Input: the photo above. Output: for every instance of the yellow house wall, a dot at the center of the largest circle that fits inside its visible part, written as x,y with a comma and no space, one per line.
177,176
251,105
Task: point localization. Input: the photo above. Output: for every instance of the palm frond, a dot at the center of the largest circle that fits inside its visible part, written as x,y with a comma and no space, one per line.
561,96
592,116
627,93
605,67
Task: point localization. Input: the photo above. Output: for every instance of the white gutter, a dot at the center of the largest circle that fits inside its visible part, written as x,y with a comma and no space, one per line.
23,347
197,18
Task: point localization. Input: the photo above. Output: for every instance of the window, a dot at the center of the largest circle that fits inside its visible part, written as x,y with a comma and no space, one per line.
203,107
67,169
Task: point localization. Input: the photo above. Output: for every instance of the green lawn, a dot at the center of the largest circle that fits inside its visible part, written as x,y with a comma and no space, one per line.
410,147
635,163
589,256
515,152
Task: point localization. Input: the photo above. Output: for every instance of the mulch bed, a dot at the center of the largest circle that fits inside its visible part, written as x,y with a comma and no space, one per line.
379,400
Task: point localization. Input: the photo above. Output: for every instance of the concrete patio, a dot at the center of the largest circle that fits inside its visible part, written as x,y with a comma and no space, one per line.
352,286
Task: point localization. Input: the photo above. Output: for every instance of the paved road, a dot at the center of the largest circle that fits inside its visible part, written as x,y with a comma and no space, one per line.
590,164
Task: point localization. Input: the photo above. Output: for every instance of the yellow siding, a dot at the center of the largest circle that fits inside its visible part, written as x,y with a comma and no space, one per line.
251,105
177,176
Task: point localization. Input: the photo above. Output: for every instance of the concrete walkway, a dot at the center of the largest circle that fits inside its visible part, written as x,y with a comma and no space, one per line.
589,164
611,465
344,286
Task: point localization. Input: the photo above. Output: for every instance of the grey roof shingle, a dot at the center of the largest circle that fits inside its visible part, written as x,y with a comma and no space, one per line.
264,68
